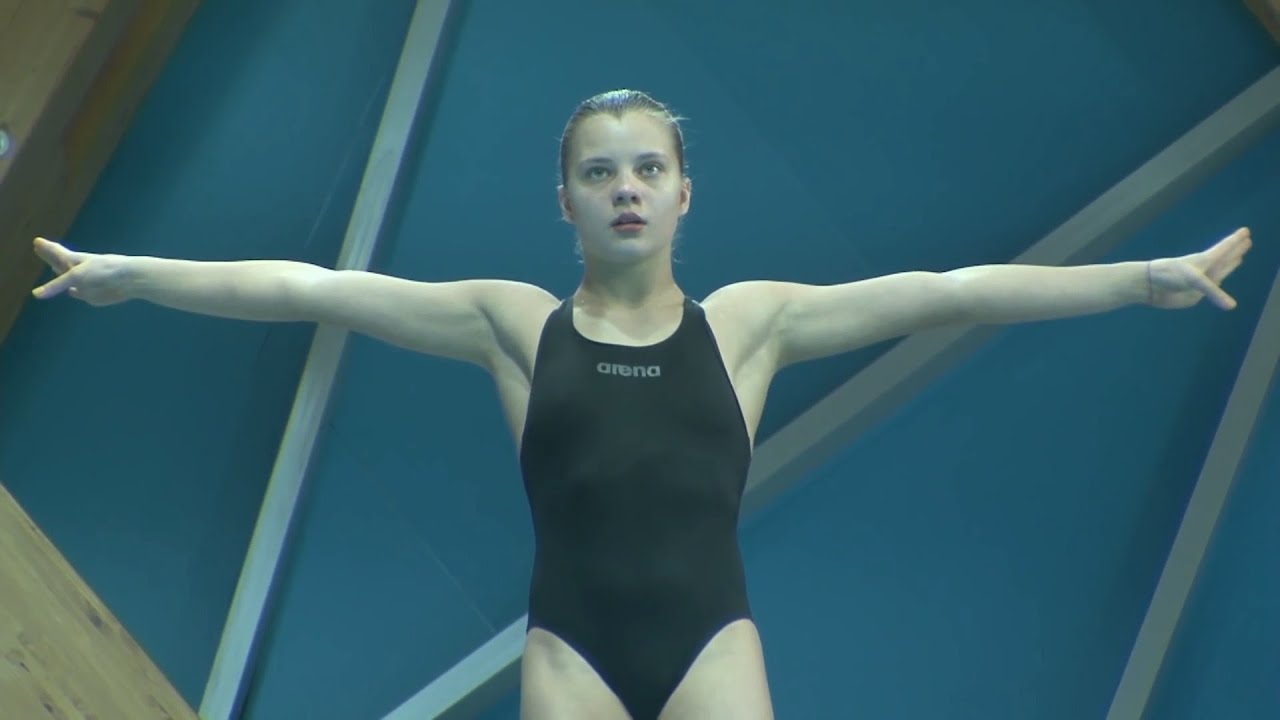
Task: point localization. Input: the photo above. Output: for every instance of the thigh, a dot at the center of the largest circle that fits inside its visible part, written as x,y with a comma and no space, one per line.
556,683
727,681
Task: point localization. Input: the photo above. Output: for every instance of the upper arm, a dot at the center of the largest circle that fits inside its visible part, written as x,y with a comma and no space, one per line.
824,320
468,320
799,322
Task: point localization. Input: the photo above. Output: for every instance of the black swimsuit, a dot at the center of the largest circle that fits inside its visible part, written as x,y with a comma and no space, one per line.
635,460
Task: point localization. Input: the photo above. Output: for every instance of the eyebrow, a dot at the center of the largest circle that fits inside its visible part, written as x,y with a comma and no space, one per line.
642,156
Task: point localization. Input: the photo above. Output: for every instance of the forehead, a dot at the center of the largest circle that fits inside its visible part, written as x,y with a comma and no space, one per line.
633,133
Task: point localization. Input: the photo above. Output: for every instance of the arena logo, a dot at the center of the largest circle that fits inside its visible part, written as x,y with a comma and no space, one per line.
643,371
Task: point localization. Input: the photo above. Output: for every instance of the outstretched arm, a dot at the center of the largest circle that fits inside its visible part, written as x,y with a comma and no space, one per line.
1020,293
812,321
468,320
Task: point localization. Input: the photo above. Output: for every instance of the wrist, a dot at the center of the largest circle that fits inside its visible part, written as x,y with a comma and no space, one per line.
129,276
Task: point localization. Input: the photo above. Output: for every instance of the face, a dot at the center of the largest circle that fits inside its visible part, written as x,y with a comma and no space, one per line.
619,169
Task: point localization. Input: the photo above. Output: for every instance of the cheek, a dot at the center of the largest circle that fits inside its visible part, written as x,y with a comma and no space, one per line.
674,200
589,195
577,201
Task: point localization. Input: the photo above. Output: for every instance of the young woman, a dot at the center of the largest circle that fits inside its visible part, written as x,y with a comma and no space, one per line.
634,408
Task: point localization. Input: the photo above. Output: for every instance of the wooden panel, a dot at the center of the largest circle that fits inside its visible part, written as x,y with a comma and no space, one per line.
62,653
73,72
1268,12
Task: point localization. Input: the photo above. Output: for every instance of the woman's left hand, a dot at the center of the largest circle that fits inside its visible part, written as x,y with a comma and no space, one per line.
1182,281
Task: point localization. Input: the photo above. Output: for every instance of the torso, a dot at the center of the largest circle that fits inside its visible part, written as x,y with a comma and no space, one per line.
556,678
749,372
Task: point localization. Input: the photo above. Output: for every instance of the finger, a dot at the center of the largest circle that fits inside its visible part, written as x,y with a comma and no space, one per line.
1207,287
1221,273
1224,257
1240,242
45,250
54,287
55,255
1219,297
1237,242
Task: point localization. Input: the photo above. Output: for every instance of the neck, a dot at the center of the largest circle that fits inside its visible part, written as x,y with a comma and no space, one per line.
632,285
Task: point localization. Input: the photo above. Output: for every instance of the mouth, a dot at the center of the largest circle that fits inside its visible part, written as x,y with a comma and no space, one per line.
628,222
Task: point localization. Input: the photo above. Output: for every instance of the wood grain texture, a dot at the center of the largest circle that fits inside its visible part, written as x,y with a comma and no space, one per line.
72,74
63,655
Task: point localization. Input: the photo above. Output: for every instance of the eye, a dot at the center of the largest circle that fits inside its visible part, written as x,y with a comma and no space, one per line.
650,169
597,173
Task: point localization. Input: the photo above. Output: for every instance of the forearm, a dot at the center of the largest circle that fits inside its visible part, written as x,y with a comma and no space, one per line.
262,290
995,294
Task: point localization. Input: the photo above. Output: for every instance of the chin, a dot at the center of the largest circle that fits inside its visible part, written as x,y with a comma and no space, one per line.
623,250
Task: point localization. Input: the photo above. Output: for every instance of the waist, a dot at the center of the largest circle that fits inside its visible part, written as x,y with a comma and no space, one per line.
600,576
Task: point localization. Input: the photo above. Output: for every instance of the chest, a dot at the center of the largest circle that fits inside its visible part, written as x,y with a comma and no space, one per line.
628,381
610,398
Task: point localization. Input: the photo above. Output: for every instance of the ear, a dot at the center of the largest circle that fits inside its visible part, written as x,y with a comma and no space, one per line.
566,209
686,195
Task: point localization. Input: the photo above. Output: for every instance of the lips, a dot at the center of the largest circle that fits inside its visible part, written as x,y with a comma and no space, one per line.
628,219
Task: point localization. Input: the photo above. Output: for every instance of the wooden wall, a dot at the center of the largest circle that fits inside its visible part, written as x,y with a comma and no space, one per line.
62,653
72,73
1268,13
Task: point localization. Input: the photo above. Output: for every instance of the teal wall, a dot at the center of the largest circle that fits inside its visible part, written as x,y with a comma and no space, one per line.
978,563
990,550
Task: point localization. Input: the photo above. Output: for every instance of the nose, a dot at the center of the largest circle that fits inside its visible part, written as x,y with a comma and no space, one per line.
625,193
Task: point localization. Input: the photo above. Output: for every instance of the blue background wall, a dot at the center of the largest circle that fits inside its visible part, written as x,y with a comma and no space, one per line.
986,552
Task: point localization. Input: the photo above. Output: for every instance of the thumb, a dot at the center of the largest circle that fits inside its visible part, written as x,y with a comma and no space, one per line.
1211,290
55,287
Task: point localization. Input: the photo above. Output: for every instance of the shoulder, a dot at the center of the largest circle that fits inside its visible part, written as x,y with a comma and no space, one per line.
749,303
745,316
514,299
505,291
517,304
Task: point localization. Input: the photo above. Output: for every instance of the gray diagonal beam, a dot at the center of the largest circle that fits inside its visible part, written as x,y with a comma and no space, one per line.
916,361
233,665
491,670
1230,444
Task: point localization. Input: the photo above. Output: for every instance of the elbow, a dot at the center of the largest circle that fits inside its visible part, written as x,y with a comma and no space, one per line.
951,294
303,291
971,298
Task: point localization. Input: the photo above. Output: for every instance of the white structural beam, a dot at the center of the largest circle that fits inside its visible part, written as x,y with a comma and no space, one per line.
1226,454
491,670
233,665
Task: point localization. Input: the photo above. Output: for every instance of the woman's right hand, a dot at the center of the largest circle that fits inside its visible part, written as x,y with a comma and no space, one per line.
95,279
